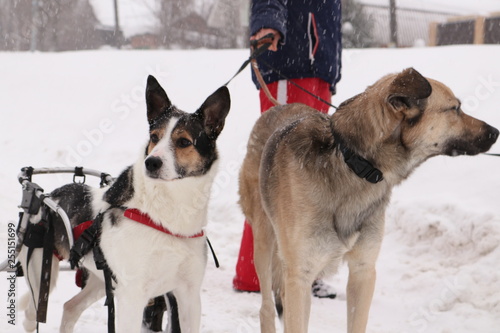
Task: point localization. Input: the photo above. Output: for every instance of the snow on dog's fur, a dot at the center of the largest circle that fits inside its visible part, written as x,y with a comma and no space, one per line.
170,182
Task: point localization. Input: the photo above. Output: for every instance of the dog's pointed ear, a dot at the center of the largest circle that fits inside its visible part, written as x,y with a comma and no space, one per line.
214,111
156,99
407,89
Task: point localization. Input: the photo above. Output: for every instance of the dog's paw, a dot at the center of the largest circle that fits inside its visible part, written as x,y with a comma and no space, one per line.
322,290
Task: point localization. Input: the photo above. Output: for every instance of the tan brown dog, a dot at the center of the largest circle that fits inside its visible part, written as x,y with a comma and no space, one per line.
315,188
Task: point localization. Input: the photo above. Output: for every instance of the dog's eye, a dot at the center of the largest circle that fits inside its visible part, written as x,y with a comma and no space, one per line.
154,138
454,108
183,143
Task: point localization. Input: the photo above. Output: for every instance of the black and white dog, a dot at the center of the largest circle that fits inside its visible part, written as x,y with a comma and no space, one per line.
153,218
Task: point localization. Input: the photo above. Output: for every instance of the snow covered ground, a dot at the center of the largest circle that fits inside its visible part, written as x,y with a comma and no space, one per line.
439,268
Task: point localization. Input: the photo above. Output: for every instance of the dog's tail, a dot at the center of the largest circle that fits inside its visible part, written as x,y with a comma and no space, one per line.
278,289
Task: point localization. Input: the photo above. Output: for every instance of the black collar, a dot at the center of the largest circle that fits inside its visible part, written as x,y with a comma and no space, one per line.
361,167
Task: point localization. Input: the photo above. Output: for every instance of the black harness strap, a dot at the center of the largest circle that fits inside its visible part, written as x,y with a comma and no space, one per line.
41,235
213,253
101,264
35,235
85,243
48,254
89,240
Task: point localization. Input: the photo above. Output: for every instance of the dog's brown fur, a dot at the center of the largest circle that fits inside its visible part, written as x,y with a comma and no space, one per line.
309,210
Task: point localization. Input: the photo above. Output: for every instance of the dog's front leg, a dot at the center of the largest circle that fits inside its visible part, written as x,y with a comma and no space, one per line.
130,306
359,296
189,305
361,284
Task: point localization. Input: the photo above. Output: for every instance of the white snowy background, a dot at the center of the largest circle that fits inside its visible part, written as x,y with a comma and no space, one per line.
439,268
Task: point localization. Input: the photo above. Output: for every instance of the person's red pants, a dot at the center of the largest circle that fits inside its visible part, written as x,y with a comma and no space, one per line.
286,93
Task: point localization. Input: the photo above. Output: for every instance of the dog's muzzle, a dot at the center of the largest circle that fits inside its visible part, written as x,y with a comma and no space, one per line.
475,145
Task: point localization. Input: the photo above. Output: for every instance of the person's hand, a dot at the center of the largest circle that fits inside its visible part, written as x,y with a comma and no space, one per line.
262,32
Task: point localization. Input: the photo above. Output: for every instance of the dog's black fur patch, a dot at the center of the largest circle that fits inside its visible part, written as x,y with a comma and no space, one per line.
76,200
122,189
193,124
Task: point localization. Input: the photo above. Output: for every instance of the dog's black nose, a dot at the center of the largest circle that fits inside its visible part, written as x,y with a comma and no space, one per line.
153,163
494,133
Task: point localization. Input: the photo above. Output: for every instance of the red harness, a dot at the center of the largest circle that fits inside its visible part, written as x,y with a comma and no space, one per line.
138,216
79,229
133,214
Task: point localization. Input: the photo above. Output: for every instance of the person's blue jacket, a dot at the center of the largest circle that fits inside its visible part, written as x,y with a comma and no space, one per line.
311,43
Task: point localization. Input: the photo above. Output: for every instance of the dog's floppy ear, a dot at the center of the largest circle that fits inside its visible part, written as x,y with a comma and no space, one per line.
156,99
408,89
214,110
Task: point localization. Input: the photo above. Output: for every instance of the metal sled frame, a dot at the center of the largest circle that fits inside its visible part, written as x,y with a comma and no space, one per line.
34,198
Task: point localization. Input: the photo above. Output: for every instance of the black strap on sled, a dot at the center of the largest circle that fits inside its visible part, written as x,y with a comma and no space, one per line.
35,235
89,240
48,254
361,167
41,235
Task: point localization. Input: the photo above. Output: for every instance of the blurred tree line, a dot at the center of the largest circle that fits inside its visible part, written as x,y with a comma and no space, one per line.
61,25
53,25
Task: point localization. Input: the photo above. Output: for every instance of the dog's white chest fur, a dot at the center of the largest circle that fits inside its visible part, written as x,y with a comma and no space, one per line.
149,260
138,254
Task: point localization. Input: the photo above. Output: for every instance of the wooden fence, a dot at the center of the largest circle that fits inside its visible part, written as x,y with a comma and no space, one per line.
466,30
